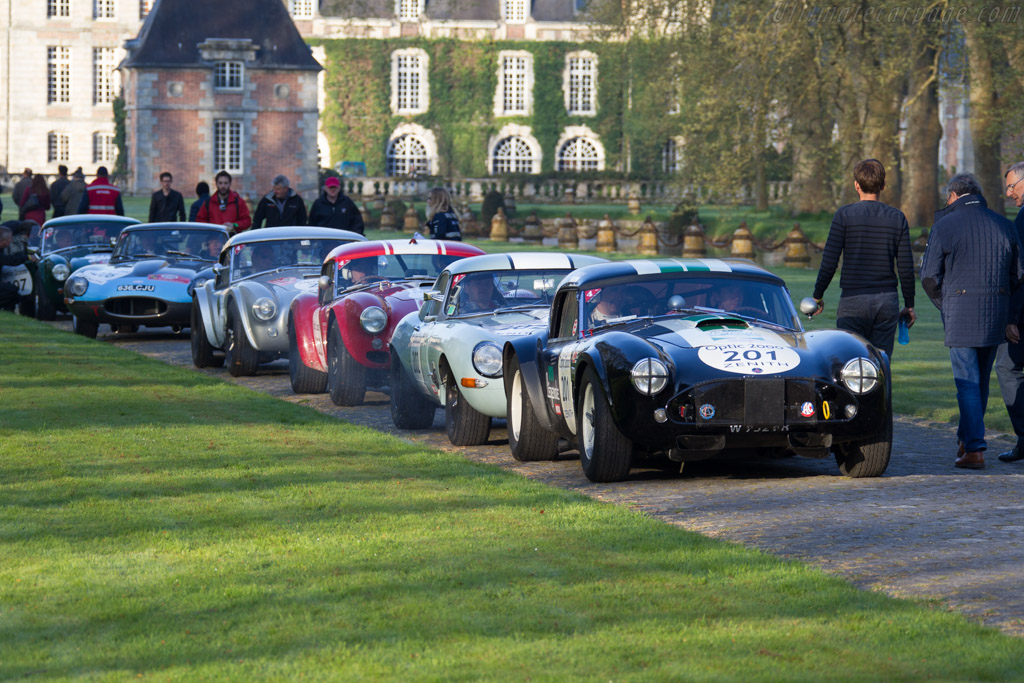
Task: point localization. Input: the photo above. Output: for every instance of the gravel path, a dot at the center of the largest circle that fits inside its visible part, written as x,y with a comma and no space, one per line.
924,530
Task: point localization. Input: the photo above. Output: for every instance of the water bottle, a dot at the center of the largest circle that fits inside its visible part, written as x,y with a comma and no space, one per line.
904,335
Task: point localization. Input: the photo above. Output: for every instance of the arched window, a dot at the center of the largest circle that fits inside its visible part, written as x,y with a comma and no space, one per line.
513,155
670,156
407,155
578,154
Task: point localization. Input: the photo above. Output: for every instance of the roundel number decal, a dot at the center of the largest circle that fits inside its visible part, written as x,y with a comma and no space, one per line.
749,358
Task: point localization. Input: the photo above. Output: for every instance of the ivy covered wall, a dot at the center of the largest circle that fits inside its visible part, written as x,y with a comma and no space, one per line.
357,118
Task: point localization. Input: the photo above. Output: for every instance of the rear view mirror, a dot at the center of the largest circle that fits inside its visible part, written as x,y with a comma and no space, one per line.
323,282
433,295
808,306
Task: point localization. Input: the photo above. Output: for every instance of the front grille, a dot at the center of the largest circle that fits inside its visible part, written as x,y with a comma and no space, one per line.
756,401
136,306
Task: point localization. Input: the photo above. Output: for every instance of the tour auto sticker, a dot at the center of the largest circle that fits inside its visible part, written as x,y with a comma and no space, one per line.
565,359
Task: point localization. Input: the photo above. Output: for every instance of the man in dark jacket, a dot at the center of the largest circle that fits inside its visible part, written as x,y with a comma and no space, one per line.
166,205
202,194
72,194
56,188
280,206
332,209
971,267
1010,358
870,236
19,187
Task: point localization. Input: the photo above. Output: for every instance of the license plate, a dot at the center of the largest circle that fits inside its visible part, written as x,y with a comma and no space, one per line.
136,288
19,277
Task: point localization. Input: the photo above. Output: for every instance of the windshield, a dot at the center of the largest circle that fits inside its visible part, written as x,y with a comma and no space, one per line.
252,258
755,299
195,243
367,270
85,236
486,292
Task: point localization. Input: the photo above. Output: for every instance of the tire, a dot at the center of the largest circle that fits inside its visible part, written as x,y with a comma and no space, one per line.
304,379
466,425
868,458
346,379
46,309
604,452
409,408
85,328
239,355
528,441
202,350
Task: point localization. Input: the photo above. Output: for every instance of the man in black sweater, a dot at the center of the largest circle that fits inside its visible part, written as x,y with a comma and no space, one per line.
870,236
281,206
1010,356
333,209
166,205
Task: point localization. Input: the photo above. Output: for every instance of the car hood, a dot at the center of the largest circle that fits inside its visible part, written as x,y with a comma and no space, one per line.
283,287
89,259
153,275
508,323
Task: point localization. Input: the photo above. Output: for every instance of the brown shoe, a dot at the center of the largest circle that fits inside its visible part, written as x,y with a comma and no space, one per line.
975,460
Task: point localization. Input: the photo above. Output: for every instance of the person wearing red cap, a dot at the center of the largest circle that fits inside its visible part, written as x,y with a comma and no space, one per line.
332,209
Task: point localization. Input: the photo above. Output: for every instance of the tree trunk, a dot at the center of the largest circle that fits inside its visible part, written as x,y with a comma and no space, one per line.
921,145
984,119
811,129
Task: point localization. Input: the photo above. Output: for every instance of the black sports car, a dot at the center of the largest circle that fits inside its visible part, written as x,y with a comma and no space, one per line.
692,358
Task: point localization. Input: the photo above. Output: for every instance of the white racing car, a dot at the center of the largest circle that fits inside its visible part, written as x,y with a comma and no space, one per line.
449,353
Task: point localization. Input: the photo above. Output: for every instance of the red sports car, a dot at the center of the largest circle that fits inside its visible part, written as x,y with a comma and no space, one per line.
339,339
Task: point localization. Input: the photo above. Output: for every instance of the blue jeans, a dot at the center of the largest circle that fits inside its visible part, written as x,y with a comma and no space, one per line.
972,368
872,316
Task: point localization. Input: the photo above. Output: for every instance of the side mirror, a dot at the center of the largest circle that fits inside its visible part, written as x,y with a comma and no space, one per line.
808,306
113,241
323,282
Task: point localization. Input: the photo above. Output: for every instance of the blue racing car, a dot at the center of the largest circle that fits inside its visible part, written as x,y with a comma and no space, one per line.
149,279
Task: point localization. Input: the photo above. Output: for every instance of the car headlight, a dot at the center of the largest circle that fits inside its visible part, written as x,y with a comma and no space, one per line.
373,319
264,308
76,286
60,272
649,376
487,359
860,375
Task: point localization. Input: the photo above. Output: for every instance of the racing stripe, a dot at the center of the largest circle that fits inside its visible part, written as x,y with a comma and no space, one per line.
645,267
540,261
716,265
442,248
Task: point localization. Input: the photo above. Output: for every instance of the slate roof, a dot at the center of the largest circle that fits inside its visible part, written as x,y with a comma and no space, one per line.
460,10
173,29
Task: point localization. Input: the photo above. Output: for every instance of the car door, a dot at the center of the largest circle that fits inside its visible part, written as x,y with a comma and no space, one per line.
325,296
556,359
426,349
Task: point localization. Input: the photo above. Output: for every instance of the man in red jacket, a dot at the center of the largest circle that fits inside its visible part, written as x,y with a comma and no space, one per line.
101,197
226,207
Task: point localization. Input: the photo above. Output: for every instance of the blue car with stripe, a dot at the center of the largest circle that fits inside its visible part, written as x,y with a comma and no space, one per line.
692,359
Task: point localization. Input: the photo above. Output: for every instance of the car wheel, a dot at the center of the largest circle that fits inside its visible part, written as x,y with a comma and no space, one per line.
202,350
304,379
604,452
27,306
868,458
86,328
239,355
526,438
46,309
346,378
467,426
409,408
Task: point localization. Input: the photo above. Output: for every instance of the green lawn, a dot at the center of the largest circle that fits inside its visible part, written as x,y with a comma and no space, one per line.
159,522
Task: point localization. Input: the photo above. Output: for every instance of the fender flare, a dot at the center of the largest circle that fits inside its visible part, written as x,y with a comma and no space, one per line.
527,350
203,300
302,316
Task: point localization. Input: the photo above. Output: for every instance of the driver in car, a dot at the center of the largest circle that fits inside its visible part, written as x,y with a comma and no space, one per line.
727,298
63,239
262,258
611,303
211,249
363,270
478,295
146,243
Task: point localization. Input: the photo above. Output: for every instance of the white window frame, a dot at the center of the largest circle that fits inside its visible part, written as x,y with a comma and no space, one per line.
514,11
145,7
520,132
408,10
228,75
104,151
572,133
228,145
300,9
103,75
58,9
514,66
58,147
410,91
579,83
104,9
58,74
422,135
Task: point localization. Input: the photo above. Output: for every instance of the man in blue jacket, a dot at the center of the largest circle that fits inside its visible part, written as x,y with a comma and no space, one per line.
1010,358
971,267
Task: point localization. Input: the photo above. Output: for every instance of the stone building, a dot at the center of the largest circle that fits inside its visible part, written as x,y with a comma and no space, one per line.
58,80
234,91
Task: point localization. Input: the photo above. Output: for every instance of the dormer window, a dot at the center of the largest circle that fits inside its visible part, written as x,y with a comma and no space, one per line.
513,11
301,9
409,10
227,76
